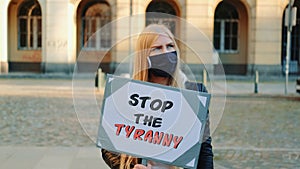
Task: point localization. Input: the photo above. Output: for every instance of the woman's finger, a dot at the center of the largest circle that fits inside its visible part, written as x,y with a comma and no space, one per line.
141,166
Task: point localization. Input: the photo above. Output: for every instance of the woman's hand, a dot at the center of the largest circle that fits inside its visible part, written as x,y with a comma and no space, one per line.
141,166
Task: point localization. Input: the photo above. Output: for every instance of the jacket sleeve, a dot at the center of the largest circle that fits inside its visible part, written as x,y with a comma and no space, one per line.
205,160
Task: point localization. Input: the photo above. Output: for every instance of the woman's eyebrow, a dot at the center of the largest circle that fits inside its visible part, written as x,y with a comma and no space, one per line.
156,46
159,45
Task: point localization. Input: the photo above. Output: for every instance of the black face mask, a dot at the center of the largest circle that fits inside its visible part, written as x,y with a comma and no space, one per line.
163,65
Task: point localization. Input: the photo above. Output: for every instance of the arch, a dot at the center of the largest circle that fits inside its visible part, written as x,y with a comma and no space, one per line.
230,36
294,66
168,7
226,19
91,15
29,18
24,36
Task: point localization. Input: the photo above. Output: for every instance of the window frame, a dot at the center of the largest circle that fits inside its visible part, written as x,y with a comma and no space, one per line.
32,33
223,36
89,31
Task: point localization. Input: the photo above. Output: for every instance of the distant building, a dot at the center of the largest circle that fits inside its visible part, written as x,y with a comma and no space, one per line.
47,35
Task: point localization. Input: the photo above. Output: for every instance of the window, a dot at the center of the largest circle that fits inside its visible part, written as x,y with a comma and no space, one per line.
295,43
161,7
226,28
29,26
94,18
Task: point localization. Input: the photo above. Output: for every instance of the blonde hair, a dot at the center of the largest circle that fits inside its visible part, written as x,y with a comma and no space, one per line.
144,42
140,72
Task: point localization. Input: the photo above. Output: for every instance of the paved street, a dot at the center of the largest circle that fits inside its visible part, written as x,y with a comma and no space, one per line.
39,128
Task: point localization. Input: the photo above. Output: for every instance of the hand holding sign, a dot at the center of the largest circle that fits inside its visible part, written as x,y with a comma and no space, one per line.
141,166
152,165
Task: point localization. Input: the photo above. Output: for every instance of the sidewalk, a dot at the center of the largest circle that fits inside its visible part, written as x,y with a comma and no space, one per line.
235,85
54,158
232,86
263,88
51,158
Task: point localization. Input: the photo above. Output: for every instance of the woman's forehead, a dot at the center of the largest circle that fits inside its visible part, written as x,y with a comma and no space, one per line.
162,39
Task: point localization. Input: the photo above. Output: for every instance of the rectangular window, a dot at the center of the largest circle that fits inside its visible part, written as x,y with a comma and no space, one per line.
39,29
226,35
92,38
23,32
105,34
217,35
30,32
295,42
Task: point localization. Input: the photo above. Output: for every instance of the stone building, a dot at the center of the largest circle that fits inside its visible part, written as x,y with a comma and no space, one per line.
47,35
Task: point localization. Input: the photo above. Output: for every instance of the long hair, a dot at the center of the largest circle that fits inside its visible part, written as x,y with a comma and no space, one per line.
140,72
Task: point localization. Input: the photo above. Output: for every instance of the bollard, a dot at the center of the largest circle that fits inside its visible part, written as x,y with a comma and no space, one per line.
256,82
298,85
204,77
100,79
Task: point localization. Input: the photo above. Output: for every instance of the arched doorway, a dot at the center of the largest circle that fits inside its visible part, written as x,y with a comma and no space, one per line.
231,36
294,66
92,15
166,7
24,36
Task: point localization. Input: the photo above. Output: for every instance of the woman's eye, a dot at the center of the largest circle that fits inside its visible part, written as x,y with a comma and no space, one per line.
155,49
170,46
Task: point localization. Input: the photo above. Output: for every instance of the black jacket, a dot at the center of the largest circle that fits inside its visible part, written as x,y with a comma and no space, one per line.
205,160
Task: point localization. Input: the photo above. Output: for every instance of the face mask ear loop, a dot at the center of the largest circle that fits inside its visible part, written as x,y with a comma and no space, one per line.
149,63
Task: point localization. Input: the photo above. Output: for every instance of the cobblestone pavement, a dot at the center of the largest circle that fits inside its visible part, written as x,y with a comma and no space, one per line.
259,132
40,113
256,131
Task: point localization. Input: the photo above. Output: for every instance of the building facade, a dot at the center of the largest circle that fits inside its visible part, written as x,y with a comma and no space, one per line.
48,35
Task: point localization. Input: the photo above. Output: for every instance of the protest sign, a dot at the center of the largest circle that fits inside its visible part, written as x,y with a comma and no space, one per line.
152,121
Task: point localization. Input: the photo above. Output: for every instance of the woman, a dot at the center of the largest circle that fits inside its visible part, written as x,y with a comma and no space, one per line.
157,61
